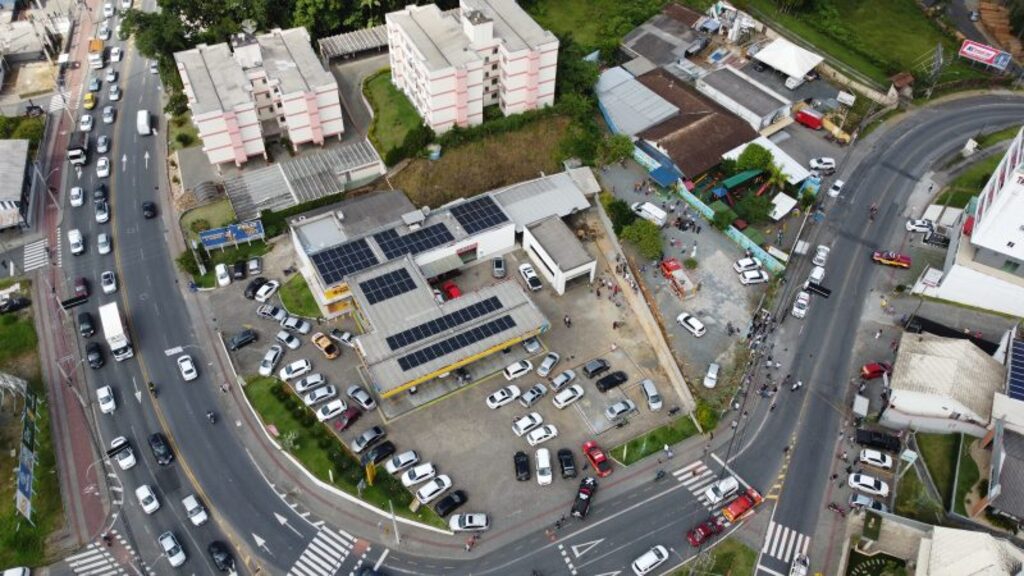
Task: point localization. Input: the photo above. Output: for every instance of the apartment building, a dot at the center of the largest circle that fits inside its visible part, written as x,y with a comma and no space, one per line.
452,65
259,87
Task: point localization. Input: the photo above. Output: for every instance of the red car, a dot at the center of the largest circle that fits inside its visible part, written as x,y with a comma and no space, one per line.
875,370
891,259
602,465
705,531
347,418
451,290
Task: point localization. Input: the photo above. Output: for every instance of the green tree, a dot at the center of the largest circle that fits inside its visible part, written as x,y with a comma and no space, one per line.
753,208
615,148
320,17
722,219
754,157
30,129
645,236
777,178
574,75
618,212
177,104
728,167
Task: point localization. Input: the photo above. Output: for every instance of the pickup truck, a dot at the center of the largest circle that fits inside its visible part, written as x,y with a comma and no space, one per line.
879,440
742,505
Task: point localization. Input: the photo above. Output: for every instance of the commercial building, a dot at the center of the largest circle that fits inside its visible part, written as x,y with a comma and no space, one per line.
985,263
453,65
558,253
15,182
266,86
745,97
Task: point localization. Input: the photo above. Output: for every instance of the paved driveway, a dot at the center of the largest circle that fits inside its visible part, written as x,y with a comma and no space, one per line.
350,75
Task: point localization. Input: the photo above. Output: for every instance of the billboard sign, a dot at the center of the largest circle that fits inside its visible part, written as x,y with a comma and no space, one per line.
232,234
27,459
985,54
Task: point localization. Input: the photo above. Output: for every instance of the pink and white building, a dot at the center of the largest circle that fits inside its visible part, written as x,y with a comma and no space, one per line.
271,85
453,65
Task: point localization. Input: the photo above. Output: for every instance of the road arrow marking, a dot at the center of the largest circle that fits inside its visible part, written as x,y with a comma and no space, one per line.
616,573
173,351
138,393
581,549
124,162
261,543
284,522
146,157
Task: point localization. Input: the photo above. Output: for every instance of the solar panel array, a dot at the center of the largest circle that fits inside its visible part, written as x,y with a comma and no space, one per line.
440,324
1016,390
456,342
395,246
478,214
387,286
335,263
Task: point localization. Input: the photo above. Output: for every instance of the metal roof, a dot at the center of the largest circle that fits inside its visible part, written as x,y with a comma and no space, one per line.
13,163
630,106
349,43
743,89
559,194
560,243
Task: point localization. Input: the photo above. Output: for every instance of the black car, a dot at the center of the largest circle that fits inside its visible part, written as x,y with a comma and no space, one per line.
581,505
238,270
611,381
221,556
595,367
449,503
14,304
161,449
254,285
878,440
567,462
368,571
378,453
148,210
243,338
522,462
85,326
94,355
100,193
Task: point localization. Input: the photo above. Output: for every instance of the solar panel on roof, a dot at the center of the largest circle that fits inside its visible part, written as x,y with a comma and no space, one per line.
387,286
1016,384
335,263
478,214
442,323
395,246
456,342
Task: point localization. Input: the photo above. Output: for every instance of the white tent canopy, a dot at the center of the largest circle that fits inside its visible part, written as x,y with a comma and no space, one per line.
788,58
794,171
781,206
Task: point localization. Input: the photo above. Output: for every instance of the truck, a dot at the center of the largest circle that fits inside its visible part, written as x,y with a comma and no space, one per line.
142,123
672,270
78,148
742,505
115,333
810,118
96,53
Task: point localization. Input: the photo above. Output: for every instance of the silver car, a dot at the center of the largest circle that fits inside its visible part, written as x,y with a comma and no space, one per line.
548,364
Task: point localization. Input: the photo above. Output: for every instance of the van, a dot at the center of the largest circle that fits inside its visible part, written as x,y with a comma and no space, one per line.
142,123
794,83
76,242
719,491
816,276
651,213
650,392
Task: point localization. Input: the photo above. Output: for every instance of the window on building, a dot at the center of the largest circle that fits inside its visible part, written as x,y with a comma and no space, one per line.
494,50
1010,266
494,81
282,119
279,105
494,67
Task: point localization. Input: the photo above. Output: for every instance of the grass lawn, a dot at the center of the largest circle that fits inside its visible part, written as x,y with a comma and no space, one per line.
914,502
393,113
939,453
969,183
996,137
642,446
17,336
182,125
323,454
967,477
229,256
297,299
729,558
495,161
212,215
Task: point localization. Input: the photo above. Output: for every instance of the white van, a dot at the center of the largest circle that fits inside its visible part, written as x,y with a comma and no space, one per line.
719,491
650,212
76,242
793,83
142,123
816,276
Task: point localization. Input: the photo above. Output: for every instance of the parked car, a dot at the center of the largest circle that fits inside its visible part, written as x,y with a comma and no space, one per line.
612,380
270,360
254,265
417,474
531,345
650,392
825,165
517,369
318,395
241,339
378,453
325,345
868,485
253,286
498,267
530,277
836,188
875,458
801,304
919,225
548,364
877,440
361,397
348,417
306,384
271,313
596,367
541,434
567,462
330,410
746,265
450,503
564,377
521,464
295,324
342,337
295,369
751,277
874,370
524,424
267,291
711,377
223,278
433,488
566,397
503,396
533,395
450,289
476,522
288,339
584,496
597,458
543,461
401,462
691,324
238,270
821,255
619,409
367,438
862,501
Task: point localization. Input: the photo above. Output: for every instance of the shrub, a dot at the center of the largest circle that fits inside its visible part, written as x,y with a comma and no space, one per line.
187,263
307,420
706,416
324,443
690,263
200,225
618,212
645,236
722,220
185,139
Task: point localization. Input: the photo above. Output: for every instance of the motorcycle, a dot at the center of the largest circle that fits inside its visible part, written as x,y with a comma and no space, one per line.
832,506
211,417
152,389
797,386
660,474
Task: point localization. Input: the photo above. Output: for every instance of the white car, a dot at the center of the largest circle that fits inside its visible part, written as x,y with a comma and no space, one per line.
187,368
923,226
517,369
125,458
108,114
875,458
271,313
114,93
103,144
320,394
751,277
400,462
103,243
711,377
869,485
295,369
102,210
270,360
619,409
147,499
195,510
267,291
77,196
111,76
296,324
691,324
223,277
824,164
650,560
566,397
361,397
531,345
418,474
169,544
104,32
85,123
543,462
309,382
288,339
105,397
745,264
76,241
548,364
564,378
524,424
474,522
115,54
330,410
431,490
817,276
530,277
821,255
801,304
109,282
503,396
719,491
542,434
836,188
108,10
103,167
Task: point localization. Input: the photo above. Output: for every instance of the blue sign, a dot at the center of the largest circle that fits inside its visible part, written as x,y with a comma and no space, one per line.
232,234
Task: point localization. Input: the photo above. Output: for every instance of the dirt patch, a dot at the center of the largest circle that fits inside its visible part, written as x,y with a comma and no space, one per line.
33,79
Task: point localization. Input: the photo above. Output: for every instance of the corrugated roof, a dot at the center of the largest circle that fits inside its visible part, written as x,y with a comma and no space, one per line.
748,92
1008,464
631,106
560,243
558,194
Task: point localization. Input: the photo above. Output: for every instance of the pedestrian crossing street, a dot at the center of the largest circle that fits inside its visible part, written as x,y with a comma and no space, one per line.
783,543
34,255
324,555
697,477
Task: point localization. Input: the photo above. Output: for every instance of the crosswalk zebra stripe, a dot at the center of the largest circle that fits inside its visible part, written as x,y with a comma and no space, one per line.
34,255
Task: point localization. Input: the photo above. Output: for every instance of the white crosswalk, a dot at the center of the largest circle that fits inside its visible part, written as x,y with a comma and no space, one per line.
35,255
95,561
324,555
696,477
783,543
57,101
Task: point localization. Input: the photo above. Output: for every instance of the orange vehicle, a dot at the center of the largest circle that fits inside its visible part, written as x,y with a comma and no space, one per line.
742,505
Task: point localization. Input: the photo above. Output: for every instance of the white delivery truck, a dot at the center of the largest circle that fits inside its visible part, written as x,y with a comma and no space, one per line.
143,123
651,213
115,333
